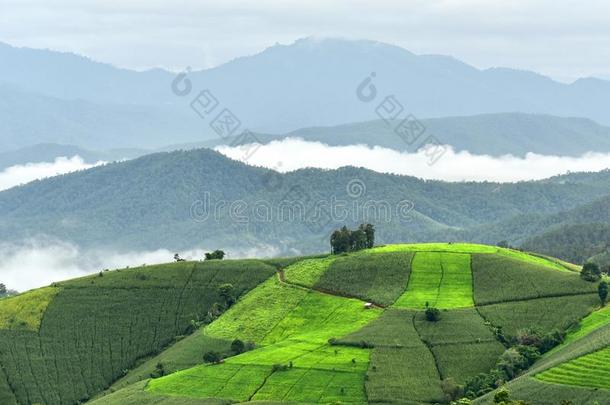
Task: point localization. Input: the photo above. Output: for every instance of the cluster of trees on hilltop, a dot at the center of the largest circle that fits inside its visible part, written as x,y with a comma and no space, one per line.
345,240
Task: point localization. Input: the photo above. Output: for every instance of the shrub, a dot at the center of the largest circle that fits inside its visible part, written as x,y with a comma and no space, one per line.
238,347
602,291
212,357
433,314
591,272
280,367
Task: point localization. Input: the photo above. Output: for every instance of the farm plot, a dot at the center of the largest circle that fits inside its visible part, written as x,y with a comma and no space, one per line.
541,313
307,272
591,370
443,280
403,375
502,279
252,317
319,317
462,343
464,360
394,328
96,327
25,311
310,373
380,278
455,326
588,324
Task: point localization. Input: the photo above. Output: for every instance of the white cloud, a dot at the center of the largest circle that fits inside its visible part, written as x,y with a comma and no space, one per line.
39,262
292,154
21,174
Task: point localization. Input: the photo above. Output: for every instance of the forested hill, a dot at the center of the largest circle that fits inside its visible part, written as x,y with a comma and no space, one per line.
156,201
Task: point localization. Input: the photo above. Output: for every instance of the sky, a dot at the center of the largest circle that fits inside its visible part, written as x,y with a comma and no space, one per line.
562,39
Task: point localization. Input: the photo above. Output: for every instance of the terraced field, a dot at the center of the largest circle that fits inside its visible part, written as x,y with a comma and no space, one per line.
442,280
591,370
313,338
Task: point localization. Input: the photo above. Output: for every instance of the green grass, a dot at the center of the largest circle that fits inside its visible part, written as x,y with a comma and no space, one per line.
394,328
136,394
464,360
588,324
403,375
443,280
257,313
307,272
25,311
479,249
504,279
380,278
185,353
319,317
97,327
455,326
591,370
313,386
545,314
318,373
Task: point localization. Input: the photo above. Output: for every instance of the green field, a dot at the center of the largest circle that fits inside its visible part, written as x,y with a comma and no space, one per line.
591,370
443,280
504,279
95,328
379,278
103,338
541,313
25,311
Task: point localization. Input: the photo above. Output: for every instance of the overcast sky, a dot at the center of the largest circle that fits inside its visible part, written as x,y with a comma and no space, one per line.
563,39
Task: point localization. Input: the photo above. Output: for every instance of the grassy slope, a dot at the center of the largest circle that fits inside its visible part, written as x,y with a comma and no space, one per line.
95,328
292,323
443,280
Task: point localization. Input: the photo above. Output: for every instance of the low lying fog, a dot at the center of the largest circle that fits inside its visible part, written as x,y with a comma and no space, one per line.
38,262
292,154
21,174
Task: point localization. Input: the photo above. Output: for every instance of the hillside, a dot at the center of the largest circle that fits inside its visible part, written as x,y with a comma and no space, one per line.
309,337
488,134
125,205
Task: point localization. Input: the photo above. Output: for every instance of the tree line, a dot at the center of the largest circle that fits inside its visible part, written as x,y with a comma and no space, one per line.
346,240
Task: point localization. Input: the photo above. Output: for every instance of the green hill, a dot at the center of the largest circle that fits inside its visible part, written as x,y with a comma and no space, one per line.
138,336
150,203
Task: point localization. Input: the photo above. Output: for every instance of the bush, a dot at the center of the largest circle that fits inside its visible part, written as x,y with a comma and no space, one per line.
591,272
238,347
280,367
212,357
433,314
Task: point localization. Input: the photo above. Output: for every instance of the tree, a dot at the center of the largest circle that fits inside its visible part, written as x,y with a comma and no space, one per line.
503,244
369,230
602,291
238,347
215,255
345,240
3,290
212,357
433,314
178,258
226,293
590,272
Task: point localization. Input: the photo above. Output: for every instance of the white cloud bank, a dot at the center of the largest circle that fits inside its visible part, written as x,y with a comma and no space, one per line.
39,262
22,174
292,154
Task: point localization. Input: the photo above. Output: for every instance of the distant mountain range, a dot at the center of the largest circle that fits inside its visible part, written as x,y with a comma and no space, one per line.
491,134
52,97
181,200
